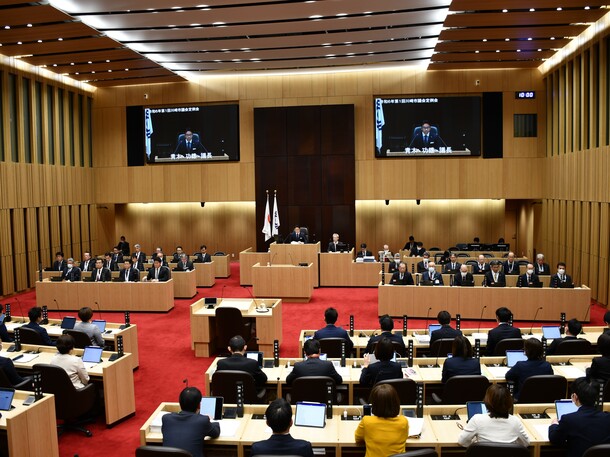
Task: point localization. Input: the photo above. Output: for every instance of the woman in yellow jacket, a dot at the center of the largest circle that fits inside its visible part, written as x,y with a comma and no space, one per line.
386,431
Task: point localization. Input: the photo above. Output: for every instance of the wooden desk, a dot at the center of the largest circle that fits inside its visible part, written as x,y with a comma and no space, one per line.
109,296
340,270
185,283
268,325
415,301
283,281
116,378
222,266
206,272
247,259
293,254
31,430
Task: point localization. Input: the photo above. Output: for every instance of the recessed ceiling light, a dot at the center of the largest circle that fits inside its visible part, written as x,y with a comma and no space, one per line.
506,39
552,38
330,55
218,61
126,69
476,52
539,49
109,71
176,7
497,50
195,25
532,10
484,39
505,11
54,64
77,73
29,25
93,72
255,59
341,14
39,41
559,8
60,39
529,39
19,42
7,27
218,23
315,16
89,62
71,63
107,61
587,7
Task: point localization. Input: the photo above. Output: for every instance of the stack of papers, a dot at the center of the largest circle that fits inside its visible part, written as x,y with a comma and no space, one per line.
155,425
416,425
498,372
480,336
422,338
228,427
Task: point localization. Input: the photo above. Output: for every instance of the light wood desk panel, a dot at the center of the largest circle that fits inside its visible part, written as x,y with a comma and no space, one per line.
283,281
185,283
222,266
247,259
206,272
340,270
293,254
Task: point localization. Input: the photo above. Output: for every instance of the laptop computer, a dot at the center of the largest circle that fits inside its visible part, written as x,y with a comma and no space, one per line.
514,356
255,355
68,322
551,332
211,406
92,355
56,278
310,414
433,327
6,398
101,324
564,407
475,407
565,285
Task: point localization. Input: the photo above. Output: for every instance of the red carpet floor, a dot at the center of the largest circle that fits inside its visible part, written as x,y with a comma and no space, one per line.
166,359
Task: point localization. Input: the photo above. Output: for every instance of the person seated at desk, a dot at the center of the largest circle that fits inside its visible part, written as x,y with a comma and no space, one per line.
117,257
542,269
510,265
600,366
383,368
140,257
385,255
9,370
386,431
402,277
72,272
279,419
422,265
572,331
190,144
394,264
446,331
129,273
177,255
463,278
59,264
364,252
561,279
607,322
87,264
418,250
335,245
503,331
409,245
498,425
533,366
202,255
584,428
386,324
296,236
432,277
159,254
109,263
529,278
185,264
158,272
331,331
481,267
462,361
453,266
101,273
85,314
4,336
123,246
187,429
35,316
495,278
238,361
71,364
313,366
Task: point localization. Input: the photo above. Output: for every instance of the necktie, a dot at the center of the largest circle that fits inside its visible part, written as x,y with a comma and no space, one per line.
431,276
453,266
495,277
99,274
426,140
156,273
401,276
188,145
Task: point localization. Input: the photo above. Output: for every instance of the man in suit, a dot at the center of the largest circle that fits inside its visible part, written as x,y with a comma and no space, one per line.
331,331
202,255
35,316
503,331
418,250
446,331
279,419
411,244
158,250
386,324
185,264
87,264
238,361
607,321
335,245
123,246
495,278
510,266
572,331
585,428
177,255
422,265
109,263
117,256
137,265
60,263
600,366
72,272
481,266
402,277
463,278
561,279
8,367
535,365
541,268
189,145
453,266
100,273
385,255
296,236
159,255
187,428
158,272
313,366
364,252
432,277
529,278
427,138
129,273
394,264
140,257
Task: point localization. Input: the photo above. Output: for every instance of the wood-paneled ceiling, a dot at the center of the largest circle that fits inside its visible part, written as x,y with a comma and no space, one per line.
118,42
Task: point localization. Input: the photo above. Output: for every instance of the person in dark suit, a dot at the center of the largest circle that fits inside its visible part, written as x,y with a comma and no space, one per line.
279,420
202,255
411,244
158,272
72,272
383,368
503,331
109,263
422,265
510,265
313,366
432,277
541,268
364,252
607,321
529,278
129,273
117,256
463,277
123,246
446,331
495,278
87,264
585,428
481,267
296,236
533,366
402,277
394,264
573,330
177,255
101,273
335,245
137,265
331,331
59,264
386,324
561,279
453,266
35,316
8,367
462,362
187,428
427,138
189,145
185,264
600,366
4,336
239,361
418,250
140,258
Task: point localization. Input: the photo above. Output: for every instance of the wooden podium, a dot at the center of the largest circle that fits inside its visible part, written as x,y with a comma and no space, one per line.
284,281
340,270
247,259
293,254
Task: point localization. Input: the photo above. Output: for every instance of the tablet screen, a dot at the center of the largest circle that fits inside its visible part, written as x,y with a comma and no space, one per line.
92,354
564,407
512,357
432,328
310,414
100,324
475,407
6,398
255,355
551,332
211,406
68,322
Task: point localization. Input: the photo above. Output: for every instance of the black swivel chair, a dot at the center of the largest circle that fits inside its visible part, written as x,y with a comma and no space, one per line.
219,253
161,451
81,339
30,336
26,384
229,322
460,389
440,348
497,450
406,389
508,344
543,389
601,450
574,347
417,453
224,384
312,388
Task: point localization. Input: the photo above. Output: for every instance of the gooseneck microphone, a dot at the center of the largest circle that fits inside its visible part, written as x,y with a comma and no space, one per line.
481,318
534,321
427,317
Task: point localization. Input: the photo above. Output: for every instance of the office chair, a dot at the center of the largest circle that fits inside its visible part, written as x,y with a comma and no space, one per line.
497,450
417,131
574,347
487,255
398,348
218,253
305,231
30,336
460,389
81,339
607,391
601,450
462,255
523,262
311,388
508,344
332,347
161,451
70,403
417,453
26,384
452,248
543,389
229,322
472,263
195,138
435,249
440,348
224,385
406,389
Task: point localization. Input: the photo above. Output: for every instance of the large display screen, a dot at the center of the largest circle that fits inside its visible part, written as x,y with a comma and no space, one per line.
427,126
196,133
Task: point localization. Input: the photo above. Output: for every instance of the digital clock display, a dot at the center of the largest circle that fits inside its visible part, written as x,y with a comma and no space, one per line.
525,95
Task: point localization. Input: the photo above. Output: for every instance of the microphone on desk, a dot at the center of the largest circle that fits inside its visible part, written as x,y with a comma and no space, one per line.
481,318
58,312
99,311
586,316
291,258
427,317
20,309
534,321
249,293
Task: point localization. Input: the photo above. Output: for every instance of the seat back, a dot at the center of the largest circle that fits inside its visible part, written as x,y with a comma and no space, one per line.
312,388
219,253
574,347
433,130
543,389
229,322
497,450
607,391
601,450
442,347
81,339
30,336
161,451
508,344
224,384
4,381
332,347
406,388
195,137
460,389
418,453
